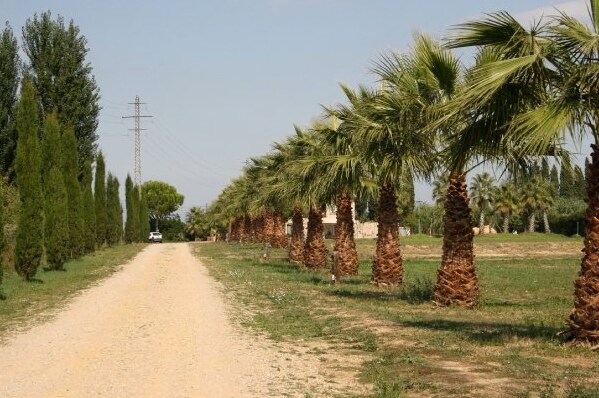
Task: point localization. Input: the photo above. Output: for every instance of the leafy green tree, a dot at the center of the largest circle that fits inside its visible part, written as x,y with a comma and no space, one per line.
114,210
63,78
163,200
30,230
57,227
70,172
144,216
100,199
9,70
89,211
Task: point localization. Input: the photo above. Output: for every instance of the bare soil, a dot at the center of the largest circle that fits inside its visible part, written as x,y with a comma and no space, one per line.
157,328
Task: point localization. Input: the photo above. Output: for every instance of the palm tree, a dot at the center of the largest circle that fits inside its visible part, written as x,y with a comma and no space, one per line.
561,68
536,196
387,128
440,186
195,222
506,202
481,194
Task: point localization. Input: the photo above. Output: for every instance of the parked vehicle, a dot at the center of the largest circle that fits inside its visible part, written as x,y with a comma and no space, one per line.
155,237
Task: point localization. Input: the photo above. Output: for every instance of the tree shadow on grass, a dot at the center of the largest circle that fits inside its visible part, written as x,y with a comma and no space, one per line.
414,292
486,332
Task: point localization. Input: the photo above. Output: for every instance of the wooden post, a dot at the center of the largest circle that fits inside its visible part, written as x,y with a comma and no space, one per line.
335,271
266,255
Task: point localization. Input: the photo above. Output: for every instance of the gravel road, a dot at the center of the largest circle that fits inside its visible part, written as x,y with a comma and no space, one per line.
157,328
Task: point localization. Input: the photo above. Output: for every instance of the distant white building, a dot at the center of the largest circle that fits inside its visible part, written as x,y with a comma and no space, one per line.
362,230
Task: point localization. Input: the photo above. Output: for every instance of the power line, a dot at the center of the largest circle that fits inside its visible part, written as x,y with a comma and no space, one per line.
137,129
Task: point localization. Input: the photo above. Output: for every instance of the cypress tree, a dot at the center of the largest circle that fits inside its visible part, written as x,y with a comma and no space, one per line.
51,147
89,211
70,171
2,296
100,199
144,216
9,70
554,180
136,213
545,173
579,186
130,235
566,182
57,226
114,216
56,209
30,230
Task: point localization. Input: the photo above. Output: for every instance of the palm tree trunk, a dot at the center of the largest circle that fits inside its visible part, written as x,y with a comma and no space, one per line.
531,222
345,246
387,267
296,248
457,281
245,230
279,238
546,222
268,227
481,222
506,223
584,318
315,252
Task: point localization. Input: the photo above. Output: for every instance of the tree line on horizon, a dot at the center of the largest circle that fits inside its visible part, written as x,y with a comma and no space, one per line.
526,92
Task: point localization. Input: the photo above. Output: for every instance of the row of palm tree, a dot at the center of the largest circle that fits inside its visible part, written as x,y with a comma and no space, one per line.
526,92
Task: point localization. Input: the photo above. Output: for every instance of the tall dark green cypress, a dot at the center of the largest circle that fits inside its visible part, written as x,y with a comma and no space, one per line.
566,182
51,147
100,200
9,71
89,211
131,215
2,296
56,208
114,212
57,226
554,180
136,210
579,188
70,171
30,230
144,216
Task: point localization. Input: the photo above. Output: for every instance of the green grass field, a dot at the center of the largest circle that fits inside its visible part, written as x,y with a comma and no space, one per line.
405,346
28,303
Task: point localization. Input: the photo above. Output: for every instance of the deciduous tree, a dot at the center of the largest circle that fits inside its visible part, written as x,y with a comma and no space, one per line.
63,77
9,82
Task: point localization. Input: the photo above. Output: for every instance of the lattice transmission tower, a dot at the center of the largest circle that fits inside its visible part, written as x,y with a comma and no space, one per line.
137,131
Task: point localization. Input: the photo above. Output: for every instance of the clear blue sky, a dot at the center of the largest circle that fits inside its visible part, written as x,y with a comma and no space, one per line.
226,78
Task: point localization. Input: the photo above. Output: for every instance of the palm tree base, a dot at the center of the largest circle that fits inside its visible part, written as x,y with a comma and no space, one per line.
387,267
584,318
457,281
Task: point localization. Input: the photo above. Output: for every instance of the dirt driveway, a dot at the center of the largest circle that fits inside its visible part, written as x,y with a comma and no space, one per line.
157,328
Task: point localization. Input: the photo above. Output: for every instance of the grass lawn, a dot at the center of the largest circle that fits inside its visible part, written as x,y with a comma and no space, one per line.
399,343
28,303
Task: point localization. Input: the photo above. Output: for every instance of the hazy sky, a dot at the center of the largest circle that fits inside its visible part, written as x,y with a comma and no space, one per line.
223,79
